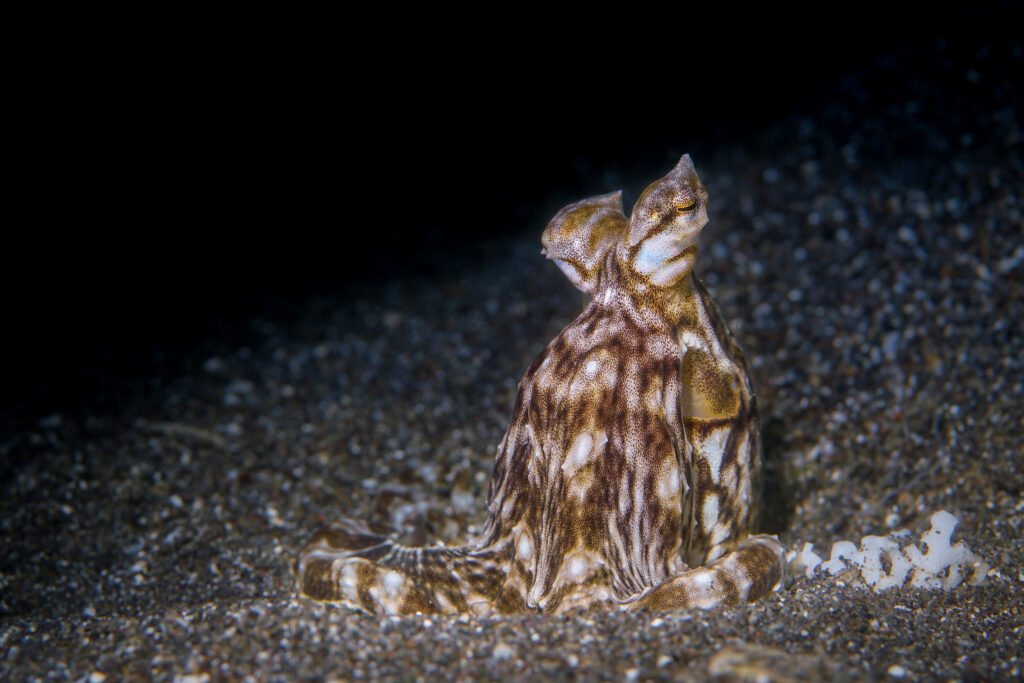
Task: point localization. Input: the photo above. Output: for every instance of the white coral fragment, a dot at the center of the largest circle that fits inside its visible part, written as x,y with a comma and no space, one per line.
843,550
932,566
885,562
805,562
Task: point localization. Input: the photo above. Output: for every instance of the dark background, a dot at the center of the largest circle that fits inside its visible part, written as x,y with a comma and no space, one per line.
173,194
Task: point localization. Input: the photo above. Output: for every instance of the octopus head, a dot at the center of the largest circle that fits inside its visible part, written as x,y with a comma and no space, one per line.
665,226
580,235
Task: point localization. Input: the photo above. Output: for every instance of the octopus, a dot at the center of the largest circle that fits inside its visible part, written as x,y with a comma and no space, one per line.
630,475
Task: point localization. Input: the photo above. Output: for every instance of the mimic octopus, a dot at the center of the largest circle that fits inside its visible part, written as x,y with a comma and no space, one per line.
630,476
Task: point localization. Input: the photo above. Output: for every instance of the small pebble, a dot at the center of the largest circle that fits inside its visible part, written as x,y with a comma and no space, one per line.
503,651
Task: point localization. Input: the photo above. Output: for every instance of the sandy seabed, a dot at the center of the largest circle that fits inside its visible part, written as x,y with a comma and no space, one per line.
867,256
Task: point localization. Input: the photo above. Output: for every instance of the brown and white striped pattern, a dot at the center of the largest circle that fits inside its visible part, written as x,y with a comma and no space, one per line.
630,473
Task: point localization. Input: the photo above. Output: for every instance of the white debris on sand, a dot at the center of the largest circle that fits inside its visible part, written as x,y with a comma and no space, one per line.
895,560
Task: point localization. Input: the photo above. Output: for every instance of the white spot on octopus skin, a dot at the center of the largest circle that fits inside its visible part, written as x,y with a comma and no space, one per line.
719,535
344,573
714,451
709,513
507,506
392,582
525,548
623,496
702,579
584,449
577,569
579,454
668,483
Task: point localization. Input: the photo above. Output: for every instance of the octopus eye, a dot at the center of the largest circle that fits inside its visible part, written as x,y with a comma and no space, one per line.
686,208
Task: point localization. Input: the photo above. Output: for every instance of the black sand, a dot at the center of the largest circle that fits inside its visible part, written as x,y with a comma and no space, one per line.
869,257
